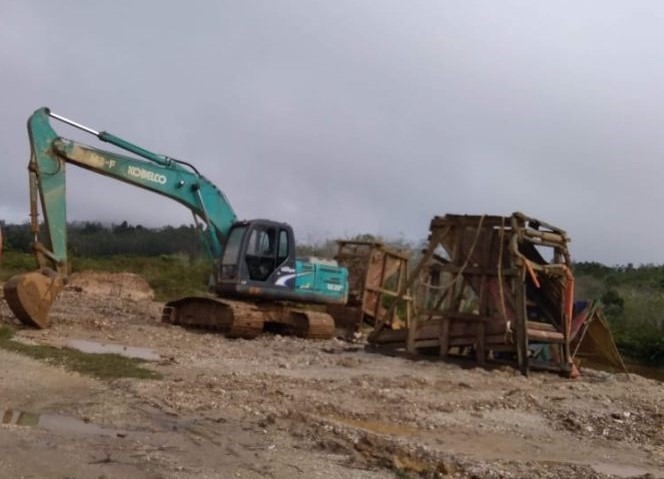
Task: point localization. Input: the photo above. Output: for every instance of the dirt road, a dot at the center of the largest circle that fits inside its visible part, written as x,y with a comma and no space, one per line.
281,407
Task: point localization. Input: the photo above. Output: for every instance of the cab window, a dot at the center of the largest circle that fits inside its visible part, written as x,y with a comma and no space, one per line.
283,246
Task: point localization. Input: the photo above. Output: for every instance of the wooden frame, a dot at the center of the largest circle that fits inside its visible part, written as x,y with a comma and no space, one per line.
484,286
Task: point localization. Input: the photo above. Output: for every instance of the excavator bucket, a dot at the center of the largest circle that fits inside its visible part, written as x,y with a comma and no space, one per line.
30,296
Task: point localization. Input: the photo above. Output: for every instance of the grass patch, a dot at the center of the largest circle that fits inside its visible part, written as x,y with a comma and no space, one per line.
15,262
101,366
170,276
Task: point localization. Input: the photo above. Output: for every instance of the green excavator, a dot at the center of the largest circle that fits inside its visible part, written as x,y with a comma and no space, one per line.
258,281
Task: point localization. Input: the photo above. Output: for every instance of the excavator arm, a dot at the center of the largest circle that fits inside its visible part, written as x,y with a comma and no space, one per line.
30,295
163,175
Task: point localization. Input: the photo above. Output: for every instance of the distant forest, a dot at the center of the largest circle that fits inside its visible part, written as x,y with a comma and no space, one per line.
93,239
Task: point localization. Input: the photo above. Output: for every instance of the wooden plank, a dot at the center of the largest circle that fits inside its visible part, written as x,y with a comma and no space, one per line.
490,340
386,336
427,343
431,329
388,292
432,313
541,326
480,353
444,338
465,221
478,270
403,290
476,318
546,336
520,327
504,348
412,333
462,328
546,236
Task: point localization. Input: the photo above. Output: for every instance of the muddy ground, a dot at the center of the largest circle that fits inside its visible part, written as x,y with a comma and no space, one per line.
281,407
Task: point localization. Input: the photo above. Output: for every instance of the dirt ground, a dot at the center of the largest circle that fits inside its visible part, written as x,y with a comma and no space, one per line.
280,407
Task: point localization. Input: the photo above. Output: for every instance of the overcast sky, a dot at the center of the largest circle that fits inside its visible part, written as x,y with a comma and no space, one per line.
347,117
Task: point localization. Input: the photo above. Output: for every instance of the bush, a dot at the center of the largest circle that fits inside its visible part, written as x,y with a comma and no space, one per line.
634,306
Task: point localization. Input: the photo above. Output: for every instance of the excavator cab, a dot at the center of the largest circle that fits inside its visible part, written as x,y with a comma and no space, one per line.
254,250
260,260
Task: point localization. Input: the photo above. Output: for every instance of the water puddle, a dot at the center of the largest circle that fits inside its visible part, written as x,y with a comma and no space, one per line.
55,422
379,427
621,470
94,347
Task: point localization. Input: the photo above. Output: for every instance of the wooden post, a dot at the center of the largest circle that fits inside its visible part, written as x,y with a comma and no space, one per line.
521,322
480,351
444,338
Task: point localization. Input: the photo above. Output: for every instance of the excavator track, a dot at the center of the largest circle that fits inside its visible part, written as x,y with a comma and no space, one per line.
239,319
314,325
232,318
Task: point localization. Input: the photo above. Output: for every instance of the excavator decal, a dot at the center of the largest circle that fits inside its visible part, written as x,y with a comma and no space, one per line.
146,175
287,277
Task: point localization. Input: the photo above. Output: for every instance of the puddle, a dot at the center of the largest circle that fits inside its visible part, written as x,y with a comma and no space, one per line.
621,470
94,347
55,422
379,427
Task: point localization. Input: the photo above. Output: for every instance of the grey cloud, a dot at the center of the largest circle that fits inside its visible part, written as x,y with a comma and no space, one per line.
350,117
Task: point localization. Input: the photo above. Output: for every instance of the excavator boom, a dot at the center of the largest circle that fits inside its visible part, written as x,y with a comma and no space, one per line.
160,174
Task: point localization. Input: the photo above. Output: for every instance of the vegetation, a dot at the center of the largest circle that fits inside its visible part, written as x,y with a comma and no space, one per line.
102,366
170,259
170,276
96,240
633,300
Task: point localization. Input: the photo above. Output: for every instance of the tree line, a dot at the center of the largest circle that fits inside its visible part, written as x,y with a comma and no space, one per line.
633,299
94,239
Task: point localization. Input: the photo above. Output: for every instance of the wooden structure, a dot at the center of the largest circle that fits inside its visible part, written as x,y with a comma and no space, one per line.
377,274
484,286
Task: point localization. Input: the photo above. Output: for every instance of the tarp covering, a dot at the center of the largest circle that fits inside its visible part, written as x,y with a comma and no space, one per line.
592,341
